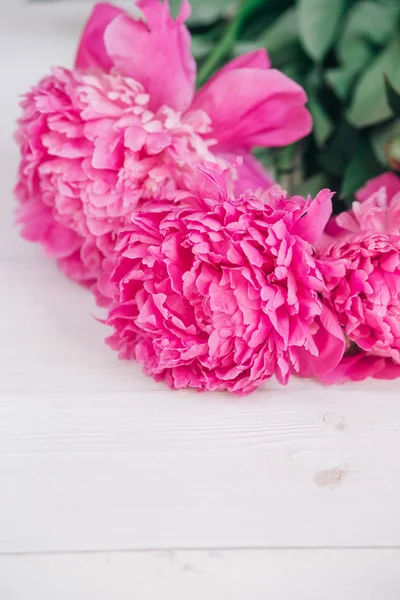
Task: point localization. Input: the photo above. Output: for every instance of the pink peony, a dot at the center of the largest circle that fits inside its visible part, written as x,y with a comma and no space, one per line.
92,150
248,103
367,300
224,293
126,128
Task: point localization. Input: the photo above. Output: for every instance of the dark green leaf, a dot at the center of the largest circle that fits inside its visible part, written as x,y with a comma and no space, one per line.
340,80
369,104
312,185
341,147
318,22
201,46
362,167
281,35
367,25
393,96
322,125
368,21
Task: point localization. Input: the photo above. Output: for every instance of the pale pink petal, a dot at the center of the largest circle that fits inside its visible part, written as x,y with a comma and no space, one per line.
389,181
255,107
156,54
92,52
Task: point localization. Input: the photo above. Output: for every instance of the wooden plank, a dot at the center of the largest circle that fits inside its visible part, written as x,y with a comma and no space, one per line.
94,455
237,575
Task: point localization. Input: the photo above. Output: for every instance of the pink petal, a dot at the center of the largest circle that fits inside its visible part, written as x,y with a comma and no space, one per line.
311,226
156,54
255,107
258,59
330,342
92,52
38,225
355,368
251,173
388,180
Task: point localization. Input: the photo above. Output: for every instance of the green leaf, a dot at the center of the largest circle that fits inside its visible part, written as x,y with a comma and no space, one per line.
369,104
286,159
318,22
322,125
341,80
367,21
281,35
368,25
226,43
362,167
382,139
201,46
204,12
393,96
312,185
340,149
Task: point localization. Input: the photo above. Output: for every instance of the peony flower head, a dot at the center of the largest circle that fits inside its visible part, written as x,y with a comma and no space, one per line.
126,128
92,151
248,103
367,300
224,293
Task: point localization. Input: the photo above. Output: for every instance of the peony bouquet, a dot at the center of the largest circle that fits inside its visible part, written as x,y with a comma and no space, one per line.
147,191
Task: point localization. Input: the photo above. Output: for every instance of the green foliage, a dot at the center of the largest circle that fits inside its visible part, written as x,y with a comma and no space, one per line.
318,21
392,95
370,104
346,54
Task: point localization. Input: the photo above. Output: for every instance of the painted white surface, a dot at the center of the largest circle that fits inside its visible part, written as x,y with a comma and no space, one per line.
196,575
292,493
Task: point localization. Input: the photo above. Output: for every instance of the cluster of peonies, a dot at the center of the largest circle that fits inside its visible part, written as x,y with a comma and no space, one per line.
366,301
147,191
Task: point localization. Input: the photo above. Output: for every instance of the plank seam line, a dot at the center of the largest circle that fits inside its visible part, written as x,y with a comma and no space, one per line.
201,549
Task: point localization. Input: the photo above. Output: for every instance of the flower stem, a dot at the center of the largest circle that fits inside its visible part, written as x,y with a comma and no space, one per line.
226,43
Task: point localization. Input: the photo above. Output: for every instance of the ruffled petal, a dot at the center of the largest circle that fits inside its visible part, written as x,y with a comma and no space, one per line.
156,53
254,107
250,172
92,53
330,342
316,215
390,181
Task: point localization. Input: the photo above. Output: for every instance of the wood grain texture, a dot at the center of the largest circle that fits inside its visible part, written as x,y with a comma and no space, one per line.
240,575
94,456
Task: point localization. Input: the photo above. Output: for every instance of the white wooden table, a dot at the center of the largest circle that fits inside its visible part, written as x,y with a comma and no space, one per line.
114,488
